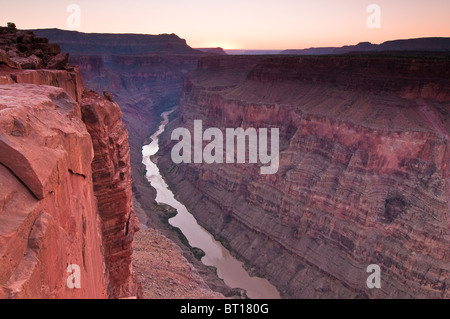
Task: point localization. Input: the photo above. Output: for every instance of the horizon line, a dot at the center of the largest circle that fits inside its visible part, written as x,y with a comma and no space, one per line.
235,49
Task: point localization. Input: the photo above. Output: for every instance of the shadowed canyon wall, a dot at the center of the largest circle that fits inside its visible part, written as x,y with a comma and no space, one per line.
364,171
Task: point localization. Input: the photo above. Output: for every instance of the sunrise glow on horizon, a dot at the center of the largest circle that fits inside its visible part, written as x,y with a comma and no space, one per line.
244,24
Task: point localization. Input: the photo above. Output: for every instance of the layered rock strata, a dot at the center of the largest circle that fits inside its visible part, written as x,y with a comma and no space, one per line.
66,184
112,187
363,177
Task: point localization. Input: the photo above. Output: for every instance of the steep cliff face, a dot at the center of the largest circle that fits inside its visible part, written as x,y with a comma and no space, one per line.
48,207
363,176
112,187
58,174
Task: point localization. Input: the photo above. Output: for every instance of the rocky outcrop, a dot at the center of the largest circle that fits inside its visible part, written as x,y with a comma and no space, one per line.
70,80
363,178
24,50
48,208
31,59
58,174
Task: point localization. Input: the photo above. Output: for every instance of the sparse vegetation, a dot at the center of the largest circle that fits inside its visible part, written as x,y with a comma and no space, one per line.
11,25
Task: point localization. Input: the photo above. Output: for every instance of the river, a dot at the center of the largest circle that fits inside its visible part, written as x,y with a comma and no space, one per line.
229,268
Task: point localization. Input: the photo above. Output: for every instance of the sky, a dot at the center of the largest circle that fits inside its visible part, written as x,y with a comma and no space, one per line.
242,24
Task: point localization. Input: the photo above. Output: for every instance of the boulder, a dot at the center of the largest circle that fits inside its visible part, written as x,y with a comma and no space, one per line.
5,59
58,62
31,63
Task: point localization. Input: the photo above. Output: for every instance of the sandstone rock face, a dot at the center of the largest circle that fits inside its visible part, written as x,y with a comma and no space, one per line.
48,208
70,81
364,171
65,186
112,187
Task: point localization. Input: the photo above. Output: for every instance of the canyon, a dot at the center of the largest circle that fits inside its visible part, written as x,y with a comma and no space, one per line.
209,251
363,176
363,172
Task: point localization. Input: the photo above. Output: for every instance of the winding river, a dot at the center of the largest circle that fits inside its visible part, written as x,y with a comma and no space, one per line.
229,268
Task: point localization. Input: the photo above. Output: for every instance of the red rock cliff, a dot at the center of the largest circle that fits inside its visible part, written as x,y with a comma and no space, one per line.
364,171
112,187
48,209
65,183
